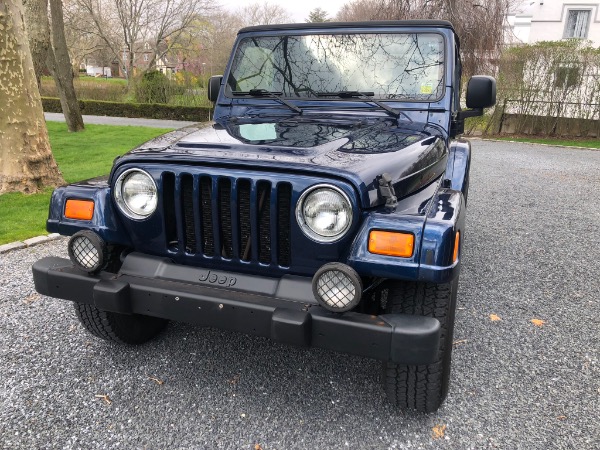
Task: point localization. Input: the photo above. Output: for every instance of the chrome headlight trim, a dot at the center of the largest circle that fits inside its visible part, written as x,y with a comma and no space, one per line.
307,230
122,204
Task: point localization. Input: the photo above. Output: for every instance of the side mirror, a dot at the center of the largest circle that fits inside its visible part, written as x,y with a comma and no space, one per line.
481,92
214,84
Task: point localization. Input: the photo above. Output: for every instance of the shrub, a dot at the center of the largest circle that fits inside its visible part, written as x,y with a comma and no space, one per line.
137,110
154,87
547,88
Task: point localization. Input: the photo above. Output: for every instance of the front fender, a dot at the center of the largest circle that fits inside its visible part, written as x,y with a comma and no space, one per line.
104,222
445,218
434,232
459,164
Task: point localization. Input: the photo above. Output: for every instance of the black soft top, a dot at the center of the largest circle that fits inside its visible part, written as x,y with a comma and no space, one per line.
367,24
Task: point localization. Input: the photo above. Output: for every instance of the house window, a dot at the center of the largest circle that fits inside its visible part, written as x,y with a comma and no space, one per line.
577,23
146,57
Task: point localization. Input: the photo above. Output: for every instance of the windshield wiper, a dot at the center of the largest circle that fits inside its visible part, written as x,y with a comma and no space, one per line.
269,94
361,95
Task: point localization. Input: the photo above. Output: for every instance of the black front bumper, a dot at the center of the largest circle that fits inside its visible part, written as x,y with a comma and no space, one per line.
281,309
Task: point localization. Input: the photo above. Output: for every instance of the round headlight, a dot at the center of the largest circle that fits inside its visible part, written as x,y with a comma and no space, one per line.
135,193
324,213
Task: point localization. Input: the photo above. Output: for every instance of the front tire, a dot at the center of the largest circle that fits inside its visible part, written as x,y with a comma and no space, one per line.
422,388
133,329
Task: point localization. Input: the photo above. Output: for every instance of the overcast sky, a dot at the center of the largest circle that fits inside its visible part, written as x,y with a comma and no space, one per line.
299,9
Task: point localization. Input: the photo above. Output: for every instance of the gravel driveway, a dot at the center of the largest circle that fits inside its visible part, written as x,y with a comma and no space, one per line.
532,252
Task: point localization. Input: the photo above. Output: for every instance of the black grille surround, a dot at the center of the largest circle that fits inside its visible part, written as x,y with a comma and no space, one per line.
240,219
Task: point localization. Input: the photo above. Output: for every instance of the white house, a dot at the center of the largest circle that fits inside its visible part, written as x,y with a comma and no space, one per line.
553,20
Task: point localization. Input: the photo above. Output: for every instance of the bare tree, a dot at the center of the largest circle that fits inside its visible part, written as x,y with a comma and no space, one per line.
263,14
479,24
62,69
82,42
218,37
26,161
51,55
357,10
129,27
38,31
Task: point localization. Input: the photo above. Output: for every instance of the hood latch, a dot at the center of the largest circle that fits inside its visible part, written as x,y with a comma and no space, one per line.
386,190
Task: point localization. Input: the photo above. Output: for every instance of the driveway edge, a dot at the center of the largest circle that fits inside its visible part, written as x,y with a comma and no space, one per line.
479,138
17,245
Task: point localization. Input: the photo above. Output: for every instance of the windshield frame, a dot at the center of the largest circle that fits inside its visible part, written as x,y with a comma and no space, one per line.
227,91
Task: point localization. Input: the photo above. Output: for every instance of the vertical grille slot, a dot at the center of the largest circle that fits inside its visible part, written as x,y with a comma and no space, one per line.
264,221
238,219
168,193
225,217
243,187
284,245
187,208
207,216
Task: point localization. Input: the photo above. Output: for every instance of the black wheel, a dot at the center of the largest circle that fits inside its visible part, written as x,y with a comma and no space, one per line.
421,388
121,328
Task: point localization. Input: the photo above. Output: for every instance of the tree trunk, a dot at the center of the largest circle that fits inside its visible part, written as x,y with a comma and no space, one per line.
62,70
26,161
38,33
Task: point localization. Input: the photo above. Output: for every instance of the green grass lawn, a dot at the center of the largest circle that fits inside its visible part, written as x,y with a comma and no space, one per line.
587,143
80,156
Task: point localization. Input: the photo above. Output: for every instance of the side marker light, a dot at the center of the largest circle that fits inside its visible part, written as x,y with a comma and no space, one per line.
456,245
391,243
79,209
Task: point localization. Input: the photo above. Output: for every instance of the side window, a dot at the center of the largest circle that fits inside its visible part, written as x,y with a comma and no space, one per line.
578,22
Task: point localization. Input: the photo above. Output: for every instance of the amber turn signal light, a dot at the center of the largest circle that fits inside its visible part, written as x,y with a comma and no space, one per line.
79,209
391,243
456,244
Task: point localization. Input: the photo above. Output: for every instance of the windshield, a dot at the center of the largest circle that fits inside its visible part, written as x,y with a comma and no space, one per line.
406,66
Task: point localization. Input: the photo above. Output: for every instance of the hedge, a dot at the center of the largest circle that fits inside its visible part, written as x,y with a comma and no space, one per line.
136,110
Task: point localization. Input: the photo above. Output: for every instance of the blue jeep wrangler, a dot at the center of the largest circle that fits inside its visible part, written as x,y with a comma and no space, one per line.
324,206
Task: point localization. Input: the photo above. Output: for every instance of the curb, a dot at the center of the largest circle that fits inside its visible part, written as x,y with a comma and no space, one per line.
18,245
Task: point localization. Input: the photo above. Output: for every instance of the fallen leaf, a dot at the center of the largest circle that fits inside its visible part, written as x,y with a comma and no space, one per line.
438,432
538,322
32,298
233,381
561,417
105,398
495,318
459,342
257,447
156,380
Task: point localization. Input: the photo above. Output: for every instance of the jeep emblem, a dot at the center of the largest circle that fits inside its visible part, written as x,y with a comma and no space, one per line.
213,278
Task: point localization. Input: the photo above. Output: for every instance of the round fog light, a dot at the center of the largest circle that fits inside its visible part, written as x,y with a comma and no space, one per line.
337,287
87,250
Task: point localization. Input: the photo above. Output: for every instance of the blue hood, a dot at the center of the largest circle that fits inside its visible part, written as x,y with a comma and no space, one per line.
357,149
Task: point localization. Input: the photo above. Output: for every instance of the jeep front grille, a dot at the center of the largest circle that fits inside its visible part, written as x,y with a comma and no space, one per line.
238,219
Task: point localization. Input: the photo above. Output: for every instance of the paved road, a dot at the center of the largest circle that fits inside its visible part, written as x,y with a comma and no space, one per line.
531,253
106,120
